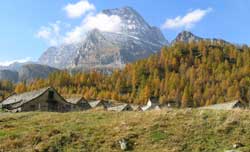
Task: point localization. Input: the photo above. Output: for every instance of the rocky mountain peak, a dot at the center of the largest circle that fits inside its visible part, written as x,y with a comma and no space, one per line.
186,36
133,24
135,40
128,15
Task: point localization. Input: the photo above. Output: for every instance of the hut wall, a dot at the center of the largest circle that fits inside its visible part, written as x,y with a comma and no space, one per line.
44,103
83,106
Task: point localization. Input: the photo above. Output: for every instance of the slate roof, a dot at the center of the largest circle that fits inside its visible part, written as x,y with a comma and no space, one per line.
93,104
24,97
120,108
97,103
75,100
224,106
153,107
153,104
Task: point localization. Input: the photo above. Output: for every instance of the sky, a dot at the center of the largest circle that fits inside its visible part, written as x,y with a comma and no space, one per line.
29,27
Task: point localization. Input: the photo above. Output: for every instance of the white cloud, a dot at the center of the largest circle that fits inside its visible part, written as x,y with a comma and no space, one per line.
7,63
43,33
99,21
103,22
56,34
51,33
187,21
76,35
78,9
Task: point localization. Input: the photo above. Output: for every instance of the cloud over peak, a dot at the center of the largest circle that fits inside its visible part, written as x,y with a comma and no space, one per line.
51,33
78,9
99,21
187,21
56,33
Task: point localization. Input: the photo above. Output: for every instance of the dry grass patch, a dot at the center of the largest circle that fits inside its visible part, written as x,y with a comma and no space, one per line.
169,130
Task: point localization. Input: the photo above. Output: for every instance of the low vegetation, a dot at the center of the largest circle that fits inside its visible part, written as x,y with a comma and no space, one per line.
168,130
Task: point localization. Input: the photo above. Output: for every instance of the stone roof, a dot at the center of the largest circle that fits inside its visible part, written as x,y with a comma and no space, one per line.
24,97
153,104
152,107
225,106
75,100
120,108
97,103
93,104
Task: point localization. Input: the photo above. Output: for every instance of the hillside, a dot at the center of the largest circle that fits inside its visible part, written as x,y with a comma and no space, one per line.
171,131
192,75
9,75
25,72
35,71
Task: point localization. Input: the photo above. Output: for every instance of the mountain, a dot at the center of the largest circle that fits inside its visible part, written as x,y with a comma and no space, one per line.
59,57
33,71
187,37
26,72
9,75
134,25
15,66
135,40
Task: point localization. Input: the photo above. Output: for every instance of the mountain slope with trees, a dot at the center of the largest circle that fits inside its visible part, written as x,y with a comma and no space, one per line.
193,74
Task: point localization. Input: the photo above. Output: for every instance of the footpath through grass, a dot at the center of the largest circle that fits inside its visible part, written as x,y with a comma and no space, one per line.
155,131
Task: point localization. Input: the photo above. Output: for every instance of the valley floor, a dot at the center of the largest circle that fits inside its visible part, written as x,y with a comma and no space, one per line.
167,131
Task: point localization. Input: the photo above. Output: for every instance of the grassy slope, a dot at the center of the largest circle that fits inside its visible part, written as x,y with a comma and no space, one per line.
177,130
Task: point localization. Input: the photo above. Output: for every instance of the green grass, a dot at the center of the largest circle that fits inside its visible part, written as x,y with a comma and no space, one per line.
158,135
171,131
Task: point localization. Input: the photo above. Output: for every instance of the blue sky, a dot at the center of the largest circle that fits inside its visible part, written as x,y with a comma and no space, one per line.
22,20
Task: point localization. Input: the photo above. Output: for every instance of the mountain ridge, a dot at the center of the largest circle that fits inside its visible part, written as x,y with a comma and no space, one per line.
136,40
188,37
26,72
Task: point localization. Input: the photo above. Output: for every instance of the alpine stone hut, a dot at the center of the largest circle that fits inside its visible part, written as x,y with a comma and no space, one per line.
46,99
80,103
237,104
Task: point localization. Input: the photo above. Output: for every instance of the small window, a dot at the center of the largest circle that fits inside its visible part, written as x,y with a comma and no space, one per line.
51,94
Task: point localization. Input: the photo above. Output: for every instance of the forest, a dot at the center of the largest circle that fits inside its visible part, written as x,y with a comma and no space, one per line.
190,74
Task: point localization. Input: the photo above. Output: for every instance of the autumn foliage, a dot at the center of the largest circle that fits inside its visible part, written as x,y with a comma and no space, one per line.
194,74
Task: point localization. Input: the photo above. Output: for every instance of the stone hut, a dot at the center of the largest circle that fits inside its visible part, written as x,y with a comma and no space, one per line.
46,99
80,103
153,104
237,104
120,108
